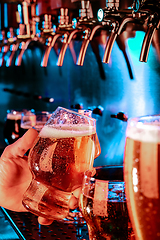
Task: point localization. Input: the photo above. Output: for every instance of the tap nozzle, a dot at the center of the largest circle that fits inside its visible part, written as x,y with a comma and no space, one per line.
67,39
88,36
117,27
153,25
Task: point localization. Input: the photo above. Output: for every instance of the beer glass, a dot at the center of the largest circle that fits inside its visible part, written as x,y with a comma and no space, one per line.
103,204
62,152
142,175
12,127
34,119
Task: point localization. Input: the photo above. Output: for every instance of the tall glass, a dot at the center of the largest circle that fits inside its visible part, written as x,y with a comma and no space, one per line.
103,204
142,175
63,150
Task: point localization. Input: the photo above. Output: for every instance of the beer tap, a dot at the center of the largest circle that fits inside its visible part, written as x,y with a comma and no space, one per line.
54,35
90,27
88,36
13,46
3,46
153,24
117,20
25,36
69,34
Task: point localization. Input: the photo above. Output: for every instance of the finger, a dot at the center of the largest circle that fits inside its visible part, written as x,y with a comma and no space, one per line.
21,146
44,221
73,202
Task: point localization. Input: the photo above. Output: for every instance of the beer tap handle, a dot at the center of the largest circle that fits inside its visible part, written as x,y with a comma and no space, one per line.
26,17
33,17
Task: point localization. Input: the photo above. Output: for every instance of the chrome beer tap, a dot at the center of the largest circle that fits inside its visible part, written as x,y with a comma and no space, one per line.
54,35
27,32
117,20
90,26
13,46
65,31
69,33
3,46
153,23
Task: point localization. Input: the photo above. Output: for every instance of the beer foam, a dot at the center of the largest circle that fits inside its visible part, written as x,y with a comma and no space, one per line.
66,131
145,132
13,116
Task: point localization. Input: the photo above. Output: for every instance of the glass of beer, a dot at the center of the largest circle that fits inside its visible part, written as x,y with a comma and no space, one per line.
12,127
62,152
103,204
34,119
142,175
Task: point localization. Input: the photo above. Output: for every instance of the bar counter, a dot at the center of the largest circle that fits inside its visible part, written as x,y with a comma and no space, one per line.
25,226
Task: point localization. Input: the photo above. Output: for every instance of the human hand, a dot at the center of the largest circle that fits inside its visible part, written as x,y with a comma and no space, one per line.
15,176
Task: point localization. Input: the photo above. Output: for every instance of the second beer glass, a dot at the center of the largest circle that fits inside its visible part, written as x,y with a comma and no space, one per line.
142,175
64,149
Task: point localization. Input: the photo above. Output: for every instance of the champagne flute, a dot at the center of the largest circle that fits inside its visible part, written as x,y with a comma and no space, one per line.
103,204
142,175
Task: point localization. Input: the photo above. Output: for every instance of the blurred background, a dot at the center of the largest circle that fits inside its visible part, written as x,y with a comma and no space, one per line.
102,55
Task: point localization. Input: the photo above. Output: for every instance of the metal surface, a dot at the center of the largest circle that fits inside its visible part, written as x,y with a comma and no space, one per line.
27,227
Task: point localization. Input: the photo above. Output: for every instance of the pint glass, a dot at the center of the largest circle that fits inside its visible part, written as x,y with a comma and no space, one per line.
103,204
142,175
63,150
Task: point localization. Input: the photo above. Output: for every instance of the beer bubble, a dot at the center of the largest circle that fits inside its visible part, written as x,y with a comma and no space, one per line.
158,234
141,198
148,227
147,219
147,209
137,160
150,204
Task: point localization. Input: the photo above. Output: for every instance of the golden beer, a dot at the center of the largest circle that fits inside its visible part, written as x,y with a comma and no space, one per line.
142,176
58,160
103,206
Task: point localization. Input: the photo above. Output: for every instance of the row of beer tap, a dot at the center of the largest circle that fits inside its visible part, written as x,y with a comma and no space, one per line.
142,14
